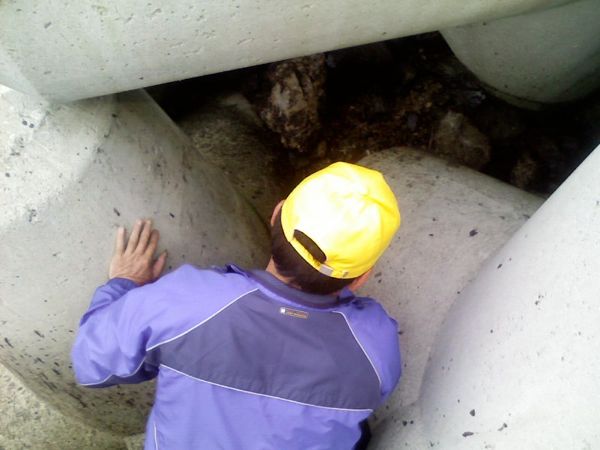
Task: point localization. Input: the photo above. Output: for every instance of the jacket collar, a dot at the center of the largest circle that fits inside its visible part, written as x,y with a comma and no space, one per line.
278,287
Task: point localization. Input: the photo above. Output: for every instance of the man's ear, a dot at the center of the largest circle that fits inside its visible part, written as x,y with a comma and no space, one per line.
360,281
276,211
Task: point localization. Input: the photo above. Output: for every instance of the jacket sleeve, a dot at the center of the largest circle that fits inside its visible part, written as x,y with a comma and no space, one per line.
110,347
378,335
120,336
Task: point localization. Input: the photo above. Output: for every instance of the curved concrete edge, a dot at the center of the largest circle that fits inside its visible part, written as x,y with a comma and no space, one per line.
27,421
453,219
230,136
546,56
58,228
516,362
66,51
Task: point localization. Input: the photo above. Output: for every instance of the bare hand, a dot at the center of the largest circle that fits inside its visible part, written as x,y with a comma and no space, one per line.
134,257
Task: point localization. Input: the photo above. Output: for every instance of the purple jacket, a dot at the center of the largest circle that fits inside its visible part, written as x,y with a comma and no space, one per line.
243,361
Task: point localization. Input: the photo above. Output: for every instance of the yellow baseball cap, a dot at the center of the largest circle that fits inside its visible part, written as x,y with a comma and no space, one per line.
349,211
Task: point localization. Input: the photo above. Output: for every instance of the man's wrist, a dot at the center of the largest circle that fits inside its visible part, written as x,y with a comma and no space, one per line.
125,282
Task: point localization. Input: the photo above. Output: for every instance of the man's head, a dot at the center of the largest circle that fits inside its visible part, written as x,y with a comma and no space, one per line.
333,227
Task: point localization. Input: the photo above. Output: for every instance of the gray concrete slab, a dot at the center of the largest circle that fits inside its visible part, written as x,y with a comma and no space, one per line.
65,50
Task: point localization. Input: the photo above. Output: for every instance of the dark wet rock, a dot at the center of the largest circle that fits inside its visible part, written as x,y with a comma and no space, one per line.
292,107
500,121
407,92
457,139
365,55
525,171
541,165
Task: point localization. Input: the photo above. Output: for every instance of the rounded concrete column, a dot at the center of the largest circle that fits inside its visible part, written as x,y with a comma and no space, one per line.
70,174
453,218
516,364
546,56
66,50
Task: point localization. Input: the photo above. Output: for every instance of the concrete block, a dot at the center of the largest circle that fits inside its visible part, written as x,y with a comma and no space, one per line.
453,218
65,51
515,361
27,422
70,174
229,135
546,56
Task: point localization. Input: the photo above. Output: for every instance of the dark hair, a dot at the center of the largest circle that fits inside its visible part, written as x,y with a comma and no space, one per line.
291,265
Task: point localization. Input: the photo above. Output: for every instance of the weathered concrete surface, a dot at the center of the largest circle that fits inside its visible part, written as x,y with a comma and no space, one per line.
70,50
516,362
542,57
229,135
27,422
70,175
453,218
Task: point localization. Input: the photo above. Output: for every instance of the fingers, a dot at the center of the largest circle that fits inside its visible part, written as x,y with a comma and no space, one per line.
154,236
159,265
120,241
144,237
135,236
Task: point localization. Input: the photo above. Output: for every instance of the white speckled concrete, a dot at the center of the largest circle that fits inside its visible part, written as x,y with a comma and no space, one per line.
453,218
28,422
65,50
515,363
542,57
70,175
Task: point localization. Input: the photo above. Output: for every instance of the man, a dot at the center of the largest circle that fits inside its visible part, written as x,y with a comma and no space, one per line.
286,358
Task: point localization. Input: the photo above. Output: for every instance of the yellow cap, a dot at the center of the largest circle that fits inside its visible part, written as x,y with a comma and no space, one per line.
349,211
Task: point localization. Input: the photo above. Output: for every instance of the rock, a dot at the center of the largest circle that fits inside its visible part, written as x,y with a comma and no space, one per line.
542,166
458,140
292,107
524,172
